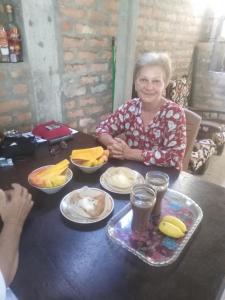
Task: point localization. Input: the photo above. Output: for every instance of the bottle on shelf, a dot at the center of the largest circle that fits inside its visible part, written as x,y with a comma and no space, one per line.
4,46
13,34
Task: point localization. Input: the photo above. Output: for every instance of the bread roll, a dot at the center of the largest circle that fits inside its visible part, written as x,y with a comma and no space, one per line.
121,177
88,206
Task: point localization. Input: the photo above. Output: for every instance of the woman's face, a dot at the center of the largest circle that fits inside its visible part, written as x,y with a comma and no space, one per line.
149,83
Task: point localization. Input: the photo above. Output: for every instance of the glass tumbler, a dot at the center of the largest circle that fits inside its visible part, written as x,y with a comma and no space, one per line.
142,200
158,181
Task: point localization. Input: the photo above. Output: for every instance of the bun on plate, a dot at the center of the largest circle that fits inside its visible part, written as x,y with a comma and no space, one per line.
120,177
88,206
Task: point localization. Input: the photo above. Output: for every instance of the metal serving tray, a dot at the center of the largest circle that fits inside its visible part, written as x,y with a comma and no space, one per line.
157,249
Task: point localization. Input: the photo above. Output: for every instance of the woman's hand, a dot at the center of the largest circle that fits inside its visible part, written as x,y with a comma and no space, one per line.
119,149
15,205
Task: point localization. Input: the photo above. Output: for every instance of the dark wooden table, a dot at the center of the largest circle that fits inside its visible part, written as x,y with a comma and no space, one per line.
64,261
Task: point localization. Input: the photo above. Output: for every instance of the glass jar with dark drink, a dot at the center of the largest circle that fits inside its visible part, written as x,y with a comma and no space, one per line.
159,181
142,199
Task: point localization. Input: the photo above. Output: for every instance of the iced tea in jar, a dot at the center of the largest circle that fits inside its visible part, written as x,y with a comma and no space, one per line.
142,200
158,181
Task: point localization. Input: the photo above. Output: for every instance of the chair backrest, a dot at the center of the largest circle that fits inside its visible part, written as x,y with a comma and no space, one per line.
178,90
192,125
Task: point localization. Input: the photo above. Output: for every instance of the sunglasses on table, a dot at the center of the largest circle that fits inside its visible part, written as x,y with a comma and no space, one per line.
56,148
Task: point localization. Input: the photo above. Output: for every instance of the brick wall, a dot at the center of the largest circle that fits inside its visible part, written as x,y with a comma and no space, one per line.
15,108
86,39
170,26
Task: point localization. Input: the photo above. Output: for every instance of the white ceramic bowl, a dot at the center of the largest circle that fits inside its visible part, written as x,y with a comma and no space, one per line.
87,170
52,190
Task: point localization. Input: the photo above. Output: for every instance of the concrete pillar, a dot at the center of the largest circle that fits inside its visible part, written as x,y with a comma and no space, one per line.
125,54
41,27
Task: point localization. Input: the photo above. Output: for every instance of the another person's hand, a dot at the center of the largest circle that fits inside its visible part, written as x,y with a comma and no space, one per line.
15,205
119,149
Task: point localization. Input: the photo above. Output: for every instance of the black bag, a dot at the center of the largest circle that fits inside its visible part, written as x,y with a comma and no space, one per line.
17,147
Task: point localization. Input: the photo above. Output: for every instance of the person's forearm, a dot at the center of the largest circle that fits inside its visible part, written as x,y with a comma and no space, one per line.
9,243
164,157
134,154
105,139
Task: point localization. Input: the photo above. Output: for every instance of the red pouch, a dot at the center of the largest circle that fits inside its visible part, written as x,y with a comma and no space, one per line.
51,130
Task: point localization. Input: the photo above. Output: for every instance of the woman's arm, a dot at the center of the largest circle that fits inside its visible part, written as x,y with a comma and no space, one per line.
121,150
14,211
113,125
9,243
105,139
171,153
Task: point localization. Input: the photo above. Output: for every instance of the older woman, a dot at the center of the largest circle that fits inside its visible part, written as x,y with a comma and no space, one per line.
154,127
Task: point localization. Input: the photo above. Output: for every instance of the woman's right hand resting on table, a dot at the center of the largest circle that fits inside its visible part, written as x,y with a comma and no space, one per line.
120,150
15,205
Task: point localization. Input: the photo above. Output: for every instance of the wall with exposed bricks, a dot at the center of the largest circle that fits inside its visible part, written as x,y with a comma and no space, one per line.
172,26
87,41
15,97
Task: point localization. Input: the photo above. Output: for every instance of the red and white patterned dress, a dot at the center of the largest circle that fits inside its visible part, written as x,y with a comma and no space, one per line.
163,141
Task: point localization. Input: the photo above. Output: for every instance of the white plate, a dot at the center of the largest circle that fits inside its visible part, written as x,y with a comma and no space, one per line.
71,215
139,179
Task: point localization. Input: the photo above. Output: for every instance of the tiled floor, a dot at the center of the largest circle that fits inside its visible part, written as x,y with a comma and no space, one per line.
216,170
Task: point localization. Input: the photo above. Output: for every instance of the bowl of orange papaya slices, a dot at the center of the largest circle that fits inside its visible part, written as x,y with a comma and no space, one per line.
89,160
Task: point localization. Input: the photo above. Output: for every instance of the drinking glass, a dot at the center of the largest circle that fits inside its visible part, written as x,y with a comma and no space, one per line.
142,199
158,181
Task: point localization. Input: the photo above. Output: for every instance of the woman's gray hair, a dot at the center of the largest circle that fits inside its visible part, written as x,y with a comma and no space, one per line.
154,59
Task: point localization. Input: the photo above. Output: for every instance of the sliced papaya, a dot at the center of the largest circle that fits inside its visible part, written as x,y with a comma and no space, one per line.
87,153
45,177
55,169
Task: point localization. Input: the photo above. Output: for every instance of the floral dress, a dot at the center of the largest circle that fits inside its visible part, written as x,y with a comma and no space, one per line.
162,141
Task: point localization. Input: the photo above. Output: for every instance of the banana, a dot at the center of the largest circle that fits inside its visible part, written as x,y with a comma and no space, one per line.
175,221
170,230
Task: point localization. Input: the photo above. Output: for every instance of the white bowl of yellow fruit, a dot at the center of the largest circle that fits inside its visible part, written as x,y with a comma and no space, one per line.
51,178
89,160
